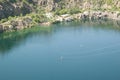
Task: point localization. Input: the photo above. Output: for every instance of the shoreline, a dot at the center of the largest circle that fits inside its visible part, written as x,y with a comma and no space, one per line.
27,21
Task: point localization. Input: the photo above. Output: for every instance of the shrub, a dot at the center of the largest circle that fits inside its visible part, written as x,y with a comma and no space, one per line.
74,11
3,20
62,11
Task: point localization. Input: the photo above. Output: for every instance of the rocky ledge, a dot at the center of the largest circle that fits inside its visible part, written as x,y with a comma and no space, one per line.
17,24
28,22
89,15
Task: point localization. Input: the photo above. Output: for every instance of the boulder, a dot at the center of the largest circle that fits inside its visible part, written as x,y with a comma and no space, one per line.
45,23
17,25
85,15
59,19
27,22
68,19
49,15
8,27
77,16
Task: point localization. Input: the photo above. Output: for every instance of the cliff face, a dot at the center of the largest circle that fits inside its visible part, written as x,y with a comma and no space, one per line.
80,3
8,8
88,4
89,8
14,9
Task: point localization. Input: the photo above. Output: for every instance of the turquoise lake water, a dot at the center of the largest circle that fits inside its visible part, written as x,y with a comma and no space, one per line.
66,51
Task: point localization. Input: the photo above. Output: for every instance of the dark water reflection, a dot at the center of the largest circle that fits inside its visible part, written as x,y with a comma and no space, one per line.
13,39
79,50
10,40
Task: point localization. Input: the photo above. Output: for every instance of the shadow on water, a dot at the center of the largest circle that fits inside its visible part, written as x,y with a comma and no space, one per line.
11,40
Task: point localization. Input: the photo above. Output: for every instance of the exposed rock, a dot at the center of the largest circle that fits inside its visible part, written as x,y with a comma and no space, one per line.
8,8
17,25
65,15
85,15
59,19
27,22
68,19
8,27
13,9
21,24
49,15
106,6
87,5
77,16
117,3
45,23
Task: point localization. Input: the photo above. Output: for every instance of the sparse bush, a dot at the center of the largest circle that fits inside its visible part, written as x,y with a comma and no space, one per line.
74,11
62,11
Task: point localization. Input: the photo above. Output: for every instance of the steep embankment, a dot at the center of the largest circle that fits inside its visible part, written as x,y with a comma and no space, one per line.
8,8
87,9
18,7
